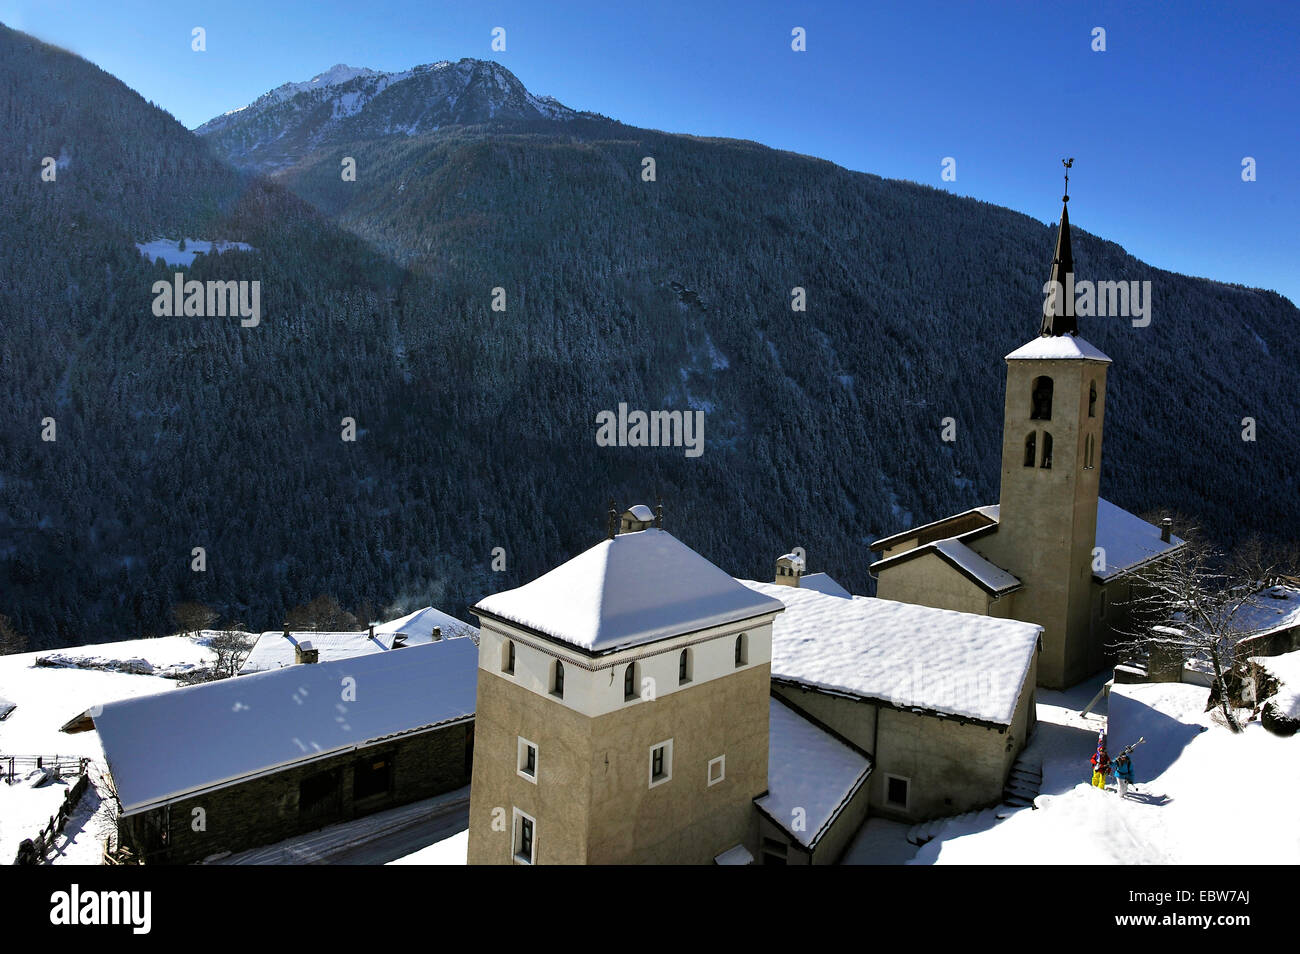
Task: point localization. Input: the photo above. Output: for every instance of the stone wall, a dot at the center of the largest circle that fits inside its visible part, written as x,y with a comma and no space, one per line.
265,810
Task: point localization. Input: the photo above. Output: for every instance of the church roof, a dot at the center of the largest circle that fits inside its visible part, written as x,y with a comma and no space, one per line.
902,654
1128,540
992,579
1059,348
1061,320
636,588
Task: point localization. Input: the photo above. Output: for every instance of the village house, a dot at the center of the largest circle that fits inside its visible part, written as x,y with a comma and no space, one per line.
234,764
1051,552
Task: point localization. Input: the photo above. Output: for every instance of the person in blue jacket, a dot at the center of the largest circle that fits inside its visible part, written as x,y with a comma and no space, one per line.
1123,774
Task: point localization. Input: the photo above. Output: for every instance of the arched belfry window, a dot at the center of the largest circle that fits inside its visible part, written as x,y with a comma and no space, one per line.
1047,451
1031,449
508,657
1088,445
742,650
558,688
629,682
1042,399
1092,399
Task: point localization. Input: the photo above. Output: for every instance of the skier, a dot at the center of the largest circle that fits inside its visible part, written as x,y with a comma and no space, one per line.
1123,773
1100,762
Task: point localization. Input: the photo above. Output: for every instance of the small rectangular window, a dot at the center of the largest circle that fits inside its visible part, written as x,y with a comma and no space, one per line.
717,769
527,760
524,839
661,762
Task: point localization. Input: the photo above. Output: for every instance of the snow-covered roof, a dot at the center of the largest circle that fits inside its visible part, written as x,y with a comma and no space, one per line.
273,650
823,583
736,855
1275,608
6,707
1127,539
808,770
1058,347
991,577
182,741
636,588
909,656
641,512
418,627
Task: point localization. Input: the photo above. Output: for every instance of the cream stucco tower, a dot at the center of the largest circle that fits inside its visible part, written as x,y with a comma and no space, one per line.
1051,462
622,712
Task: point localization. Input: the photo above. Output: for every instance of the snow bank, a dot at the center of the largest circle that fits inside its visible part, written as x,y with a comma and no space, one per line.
449,851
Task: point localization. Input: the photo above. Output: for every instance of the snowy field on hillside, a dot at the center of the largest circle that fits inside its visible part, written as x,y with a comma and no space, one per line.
169,249
1203,795
44,699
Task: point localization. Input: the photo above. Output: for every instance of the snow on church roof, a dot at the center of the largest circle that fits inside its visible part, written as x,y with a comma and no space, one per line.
183,741
906,655
1127,540
809,769
636,588
1058,347
823,583
988,575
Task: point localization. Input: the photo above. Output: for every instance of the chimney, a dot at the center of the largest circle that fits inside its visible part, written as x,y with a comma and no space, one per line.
372,630
788,569
636,518
437,634
1166,526
304,652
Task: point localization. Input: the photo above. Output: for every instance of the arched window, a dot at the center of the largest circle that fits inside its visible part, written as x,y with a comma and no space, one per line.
742,650
1042,399
1031,449
684,667
1092,399
629,682
1087,452
508,656
558,685
1047,451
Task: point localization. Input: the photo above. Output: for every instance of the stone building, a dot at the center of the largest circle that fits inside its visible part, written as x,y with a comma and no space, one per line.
239,763
1051,551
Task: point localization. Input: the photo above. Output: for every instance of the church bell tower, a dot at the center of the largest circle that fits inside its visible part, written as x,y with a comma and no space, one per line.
1051,464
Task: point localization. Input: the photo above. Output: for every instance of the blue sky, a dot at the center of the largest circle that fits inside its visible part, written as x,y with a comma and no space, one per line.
1158,124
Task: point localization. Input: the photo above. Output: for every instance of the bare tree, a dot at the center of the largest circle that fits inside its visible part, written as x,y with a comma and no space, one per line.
11,641
232,647
193,618
1187,605
323,614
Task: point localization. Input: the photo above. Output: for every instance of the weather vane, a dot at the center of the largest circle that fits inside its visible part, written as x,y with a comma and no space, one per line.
1067,163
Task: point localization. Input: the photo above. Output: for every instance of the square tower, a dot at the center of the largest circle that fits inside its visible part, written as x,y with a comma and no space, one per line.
622,712
1047,525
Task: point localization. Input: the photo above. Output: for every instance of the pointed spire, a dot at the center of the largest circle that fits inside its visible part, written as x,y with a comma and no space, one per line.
1058,311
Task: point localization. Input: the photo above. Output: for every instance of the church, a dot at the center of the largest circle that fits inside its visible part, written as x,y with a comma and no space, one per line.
638,704
1051,551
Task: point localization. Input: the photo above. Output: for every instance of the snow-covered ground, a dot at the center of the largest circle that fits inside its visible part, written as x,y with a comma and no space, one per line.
169,249
1203,796
45,698
449,851
1286,668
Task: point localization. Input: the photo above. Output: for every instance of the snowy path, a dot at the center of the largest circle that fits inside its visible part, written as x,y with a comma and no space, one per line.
373,840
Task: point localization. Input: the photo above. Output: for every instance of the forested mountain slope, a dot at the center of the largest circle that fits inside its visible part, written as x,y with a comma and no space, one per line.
476,428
